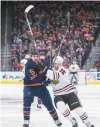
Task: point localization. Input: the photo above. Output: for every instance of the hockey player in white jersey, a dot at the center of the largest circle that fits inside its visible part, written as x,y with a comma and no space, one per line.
73,73
23,63
66,93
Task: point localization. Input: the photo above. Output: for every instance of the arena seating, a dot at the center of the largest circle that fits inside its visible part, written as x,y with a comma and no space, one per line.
49,22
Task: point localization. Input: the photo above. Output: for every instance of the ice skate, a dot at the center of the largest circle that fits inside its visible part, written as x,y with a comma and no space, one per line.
89,125
74,123
92,126
26,123
58,123
75,83
39,107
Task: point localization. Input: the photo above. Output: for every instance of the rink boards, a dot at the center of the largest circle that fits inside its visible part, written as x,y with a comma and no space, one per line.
85,78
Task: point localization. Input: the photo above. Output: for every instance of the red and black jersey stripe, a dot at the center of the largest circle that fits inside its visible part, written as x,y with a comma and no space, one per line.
66,88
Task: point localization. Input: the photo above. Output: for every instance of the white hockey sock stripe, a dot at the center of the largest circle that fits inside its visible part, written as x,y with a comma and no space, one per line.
26,115
52,110
54,115
26,107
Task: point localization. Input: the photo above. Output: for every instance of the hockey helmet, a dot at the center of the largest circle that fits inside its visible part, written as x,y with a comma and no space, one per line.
35,52
58,61
74,62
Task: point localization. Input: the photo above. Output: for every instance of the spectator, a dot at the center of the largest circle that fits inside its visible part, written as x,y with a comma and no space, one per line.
49,22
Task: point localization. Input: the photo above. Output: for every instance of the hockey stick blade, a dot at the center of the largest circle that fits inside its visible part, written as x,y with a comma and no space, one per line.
28,8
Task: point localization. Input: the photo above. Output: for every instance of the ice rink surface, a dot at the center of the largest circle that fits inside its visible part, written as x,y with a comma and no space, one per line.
12,107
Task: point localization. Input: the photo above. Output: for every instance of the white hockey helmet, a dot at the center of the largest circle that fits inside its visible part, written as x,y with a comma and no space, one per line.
58,61
74,62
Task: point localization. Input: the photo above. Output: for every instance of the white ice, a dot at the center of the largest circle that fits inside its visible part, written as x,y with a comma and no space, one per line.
12,108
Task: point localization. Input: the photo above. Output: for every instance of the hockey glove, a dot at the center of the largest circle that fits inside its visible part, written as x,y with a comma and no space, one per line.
55,82
46,83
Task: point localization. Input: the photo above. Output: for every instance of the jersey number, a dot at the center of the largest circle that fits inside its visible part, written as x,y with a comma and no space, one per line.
33,74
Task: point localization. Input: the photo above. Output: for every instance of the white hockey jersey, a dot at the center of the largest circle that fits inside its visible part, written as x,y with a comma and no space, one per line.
63,86
73,68
23,62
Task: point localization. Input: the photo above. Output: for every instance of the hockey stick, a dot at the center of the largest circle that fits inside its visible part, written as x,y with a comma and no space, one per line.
50,55
58,53
19,81
26,12
68,17
62,40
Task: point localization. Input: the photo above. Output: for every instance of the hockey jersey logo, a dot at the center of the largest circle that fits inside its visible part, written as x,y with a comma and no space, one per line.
61,82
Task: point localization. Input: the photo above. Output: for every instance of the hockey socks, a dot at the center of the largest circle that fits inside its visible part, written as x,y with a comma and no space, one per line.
66,113
54,115
26,116
26,113
26,110
83,116
69,116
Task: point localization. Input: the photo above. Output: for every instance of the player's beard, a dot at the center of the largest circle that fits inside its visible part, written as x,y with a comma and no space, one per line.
36,61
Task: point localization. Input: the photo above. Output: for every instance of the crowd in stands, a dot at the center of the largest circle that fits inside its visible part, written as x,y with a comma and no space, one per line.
49,22
97,65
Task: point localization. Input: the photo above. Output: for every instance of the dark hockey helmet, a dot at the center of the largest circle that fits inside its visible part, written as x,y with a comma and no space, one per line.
35,52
